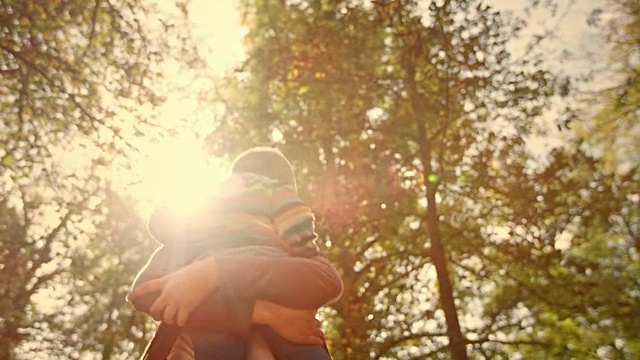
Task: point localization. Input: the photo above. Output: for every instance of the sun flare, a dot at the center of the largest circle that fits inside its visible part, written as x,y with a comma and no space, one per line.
177,173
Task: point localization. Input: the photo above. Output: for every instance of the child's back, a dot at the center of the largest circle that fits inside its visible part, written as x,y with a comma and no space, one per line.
251,215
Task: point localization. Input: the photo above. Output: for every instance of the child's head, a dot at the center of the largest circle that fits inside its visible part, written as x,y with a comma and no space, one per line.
265,161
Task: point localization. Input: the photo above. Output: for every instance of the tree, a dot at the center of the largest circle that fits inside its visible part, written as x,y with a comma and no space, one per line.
565,258
563,274
68,67
77,288
70,70
12,312
393,116
99,281
586,220
613,130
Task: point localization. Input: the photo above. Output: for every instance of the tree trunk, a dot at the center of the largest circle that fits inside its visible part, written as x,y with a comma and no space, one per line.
9,339
457,342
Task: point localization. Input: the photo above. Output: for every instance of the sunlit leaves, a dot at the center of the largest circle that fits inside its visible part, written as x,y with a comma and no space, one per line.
68,67
388,108
352,88
69,70
614,129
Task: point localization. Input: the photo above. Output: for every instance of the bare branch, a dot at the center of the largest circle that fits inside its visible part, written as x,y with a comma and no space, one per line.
392,342
94,18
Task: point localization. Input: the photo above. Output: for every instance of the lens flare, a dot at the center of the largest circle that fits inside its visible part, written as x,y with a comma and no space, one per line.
178,174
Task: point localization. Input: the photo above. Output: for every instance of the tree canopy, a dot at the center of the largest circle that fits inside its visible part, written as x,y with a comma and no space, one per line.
69,70
409,124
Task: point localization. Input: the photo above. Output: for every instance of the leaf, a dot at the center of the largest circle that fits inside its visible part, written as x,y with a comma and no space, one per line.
8,160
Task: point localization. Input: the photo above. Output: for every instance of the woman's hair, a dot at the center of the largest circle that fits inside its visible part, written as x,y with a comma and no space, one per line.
266,161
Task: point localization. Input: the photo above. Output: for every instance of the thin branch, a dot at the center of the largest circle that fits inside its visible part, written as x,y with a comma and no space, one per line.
547,33
46,255
94,19
380,285
26,220
48,240
44,279
74,99
399,341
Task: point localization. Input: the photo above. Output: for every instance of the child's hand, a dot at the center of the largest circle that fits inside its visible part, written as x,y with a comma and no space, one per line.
297,326
180,292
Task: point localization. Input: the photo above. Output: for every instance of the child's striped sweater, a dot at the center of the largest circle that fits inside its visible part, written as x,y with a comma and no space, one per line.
251,210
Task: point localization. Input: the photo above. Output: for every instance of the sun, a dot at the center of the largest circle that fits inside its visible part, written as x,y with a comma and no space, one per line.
177,173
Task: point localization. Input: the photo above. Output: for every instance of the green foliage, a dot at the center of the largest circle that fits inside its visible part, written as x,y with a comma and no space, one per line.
407,123
96,311
387,111
563,275
69,71
68,67
408,128
67,261
614,129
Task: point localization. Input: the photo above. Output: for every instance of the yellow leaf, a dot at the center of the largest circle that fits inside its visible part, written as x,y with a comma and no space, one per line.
292,74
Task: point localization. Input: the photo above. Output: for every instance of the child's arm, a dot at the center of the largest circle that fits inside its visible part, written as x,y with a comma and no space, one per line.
293,221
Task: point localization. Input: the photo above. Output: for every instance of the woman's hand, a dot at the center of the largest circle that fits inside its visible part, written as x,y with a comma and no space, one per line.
180,292
297,326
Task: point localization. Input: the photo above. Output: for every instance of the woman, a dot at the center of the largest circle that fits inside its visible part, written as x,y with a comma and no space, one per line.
232,294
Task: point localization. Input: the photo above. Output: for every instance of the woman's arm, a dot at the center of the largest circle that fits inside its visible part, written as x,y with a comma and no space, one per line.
237,280
302,283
